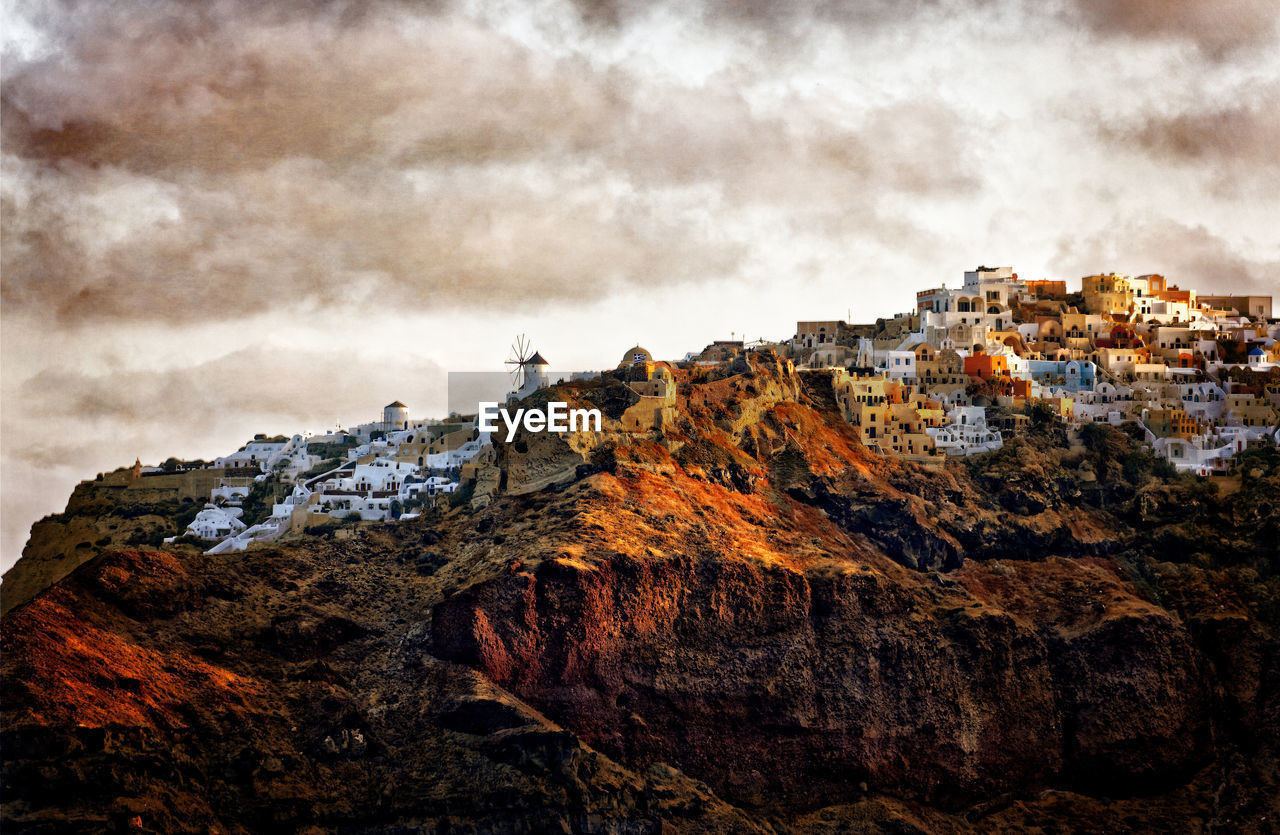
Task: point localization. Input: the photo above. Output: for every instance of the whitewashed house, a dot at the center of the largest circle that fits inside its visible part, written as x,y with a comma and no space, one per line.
1202,399
966,432
261,455
298,498
216,523
901,364
437,484
229,494
382,475
1198,455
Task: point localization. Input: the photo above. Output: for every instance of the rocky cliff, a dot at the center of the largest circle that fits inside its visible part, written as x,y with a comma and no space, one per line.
100,514
745,622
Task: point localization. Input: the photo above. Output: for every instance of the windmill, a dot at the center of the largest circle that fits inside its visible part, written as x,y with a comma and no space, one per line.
527,364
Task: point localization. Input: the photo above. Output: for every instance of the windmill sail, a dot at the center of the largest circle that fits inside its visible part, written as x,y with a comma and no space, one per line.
522,357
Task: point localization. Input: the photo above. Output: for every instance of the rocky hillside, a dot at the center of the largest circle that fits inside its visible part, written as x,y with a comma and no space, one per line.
743,623
97,517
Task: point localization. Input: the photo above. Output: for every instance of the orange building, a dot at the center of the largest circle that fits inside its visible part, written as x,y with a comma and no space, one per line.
1045,289
986,366
1155,284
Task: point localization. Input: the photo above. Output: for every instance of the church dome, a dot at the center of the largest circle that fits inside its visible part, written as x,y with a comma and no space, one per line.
634,356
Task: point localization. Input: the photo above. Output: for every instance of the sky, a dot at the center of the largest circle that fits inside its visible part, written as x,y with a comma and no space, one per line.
223,218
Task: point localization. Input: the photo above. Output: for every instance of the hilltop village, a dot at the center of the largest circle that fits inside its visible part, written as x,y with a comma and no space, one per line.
1196,376
1199,374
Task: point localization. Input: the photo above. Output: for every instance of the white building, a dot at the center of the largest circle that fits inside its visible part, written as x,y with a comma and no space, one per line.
216,523
229,494
1202,455
966,432
457,457
264,531
369,509
1202,399
262,455
1107,403
395,415
381,475
435,485
298,498
901,364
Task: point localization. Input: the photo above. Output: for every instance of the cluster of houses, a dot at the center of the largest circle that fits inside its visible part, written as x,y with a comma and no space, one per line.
379,471
955,375
388,469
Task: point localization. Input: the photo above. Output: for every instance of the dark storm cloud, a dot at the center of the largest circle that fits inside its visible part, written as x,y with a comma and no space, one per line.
1234,139
776,21
163,88
326,157
179,160
1190,256
1218,27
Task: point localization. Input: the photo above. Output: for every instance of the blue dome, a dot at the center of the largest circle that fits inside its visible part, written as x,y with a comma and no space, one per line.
1256,352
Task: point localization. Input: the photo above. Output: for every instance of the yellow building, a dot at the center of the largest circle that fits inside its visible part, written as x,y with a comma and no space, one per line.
655,384
1249,410
904,430
942,375
1107,294
1062,406
890,416
1172,423
855,393
441,437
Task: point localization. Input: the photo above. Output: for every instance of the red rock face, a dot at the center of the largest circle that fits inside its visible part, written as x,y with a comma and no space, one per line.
792,658
101,678
787,688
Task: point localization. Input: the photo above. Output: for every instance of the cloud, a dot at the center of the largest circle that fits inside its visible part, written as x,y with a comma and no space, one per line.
1234,140
777,22
1217,27
158,88
176,161
253,383
101,244
1188,255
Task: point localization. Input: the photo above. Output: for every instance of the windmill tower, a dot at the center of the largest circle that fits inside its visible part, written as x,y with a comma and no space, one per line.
528,368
